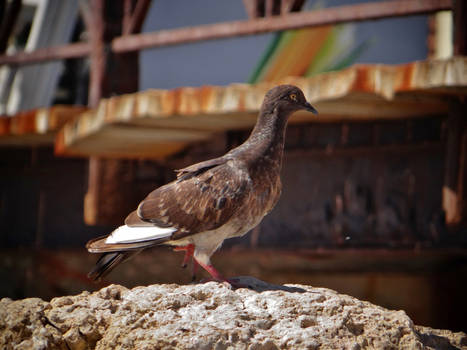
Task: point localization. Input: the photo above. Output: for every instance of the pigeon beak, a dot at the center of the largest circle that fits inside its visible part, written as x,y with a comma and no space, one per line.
310,108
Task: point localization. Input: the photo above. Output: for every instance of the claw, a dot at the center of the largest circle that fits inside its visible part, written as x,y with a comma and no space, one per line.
236,284
217,277
189,249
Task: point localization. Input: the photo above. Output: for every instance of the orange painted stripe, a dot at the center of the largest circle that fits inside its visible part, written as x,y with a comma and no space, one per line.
295,57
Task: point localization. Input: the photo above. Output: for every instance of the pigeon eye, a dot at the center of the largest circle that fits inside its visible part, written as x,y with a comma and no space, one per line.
293,97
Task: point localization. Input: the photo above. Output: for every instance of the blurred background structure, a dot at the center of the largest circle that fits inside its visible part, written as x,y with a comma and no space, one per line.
101,100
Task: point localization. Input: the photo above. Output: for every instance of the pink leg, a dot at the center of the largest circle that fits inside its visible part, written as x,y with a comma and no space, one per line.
189,249
216,276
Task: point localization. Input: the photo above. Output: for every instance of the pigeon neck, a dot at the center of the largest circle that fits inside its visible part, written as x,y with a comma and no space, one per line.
267,138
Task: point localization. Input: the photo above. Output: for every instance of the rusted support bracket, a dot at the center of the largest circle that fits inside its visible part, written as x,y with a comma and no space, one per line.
110,195
133,21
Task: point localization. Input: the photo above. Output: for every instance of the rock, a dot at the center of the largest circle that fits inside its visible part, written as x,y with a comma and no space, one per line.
213,316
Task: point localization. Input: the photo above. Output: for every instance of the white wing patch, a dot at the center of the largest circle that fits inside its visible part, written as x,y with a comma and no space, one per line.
127,234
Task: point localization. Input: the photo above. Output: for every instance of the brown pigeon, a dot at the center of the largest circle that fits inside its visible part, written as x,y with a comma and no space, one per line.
210,201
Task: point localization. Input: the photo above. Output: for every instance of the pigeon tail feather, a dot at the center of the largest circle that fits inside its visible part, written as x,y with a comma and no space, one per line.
100,245
108,261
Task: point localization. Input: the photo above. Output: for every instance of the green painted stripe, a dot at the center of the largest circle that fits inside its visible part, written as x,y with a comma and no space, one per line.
324,54
273,43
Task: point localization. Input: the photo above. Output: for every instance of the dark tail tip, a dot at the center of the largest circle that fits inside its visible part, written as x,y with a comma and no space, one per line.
105,264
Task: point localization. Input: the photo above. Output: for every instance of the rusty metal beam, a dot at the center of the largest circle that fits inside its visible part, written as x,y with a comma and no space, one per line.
269,8
127,12
334,15
110,195
47,54
97,54
251,8
135,23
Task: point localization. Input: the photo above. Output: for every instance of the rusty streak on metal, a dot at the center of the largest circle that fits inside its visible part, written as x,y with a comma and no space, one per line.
333,15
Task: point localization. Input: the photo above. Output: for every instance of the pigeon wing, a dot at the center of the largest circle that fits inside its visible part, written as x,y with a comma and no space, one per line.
199,168
202,201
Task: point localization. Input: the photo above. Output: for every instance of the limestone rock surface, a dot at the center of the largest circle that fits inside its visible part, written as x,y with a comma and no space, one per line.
213,316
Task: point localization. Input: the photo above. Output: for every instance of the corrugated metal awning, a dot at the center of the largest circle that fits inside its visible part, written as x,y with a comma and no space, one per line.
36,127
158,123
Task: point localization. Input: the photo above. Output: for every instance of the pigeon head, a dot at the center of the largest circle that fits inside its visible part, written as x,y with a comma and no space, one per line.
286,99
